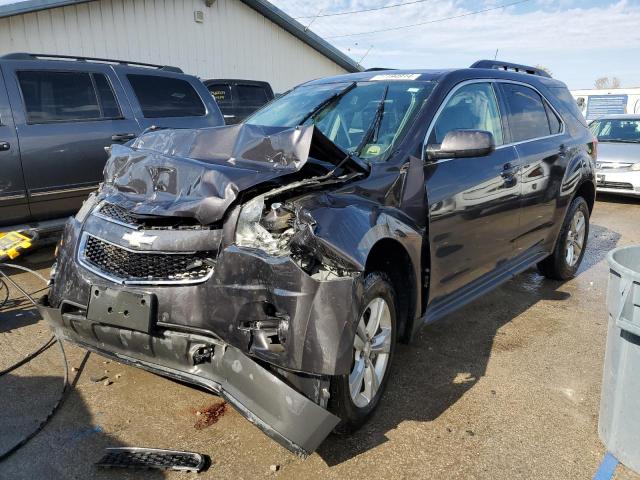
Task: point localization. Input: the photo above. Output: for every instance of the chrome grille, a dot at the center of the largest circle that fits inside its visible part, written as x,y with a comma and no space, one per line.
117,214
118,263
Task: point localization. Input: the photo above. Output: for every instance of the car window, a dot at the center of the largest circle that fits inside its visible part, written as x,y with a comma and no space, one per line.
51,96
364,118
472,107
108,103
251,95
616,130
527,116
221,93
166,97
555,125
576,107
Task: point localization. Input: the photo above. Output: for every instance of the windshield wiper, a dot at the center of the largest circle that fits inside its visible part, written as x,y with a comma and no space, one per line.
327,101
372,131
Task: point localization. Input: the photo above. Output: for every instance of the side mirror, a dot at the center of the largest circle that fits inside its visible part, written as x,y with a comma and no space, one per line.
463,144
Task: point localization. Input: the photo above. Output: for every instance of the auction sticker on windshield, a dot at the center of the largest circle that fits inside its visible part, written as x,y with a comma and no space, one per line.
396,76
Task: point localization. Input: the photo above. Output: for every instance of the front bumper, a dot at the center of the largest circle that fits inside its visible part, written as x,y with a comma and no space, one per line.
248,288
625,182
277,409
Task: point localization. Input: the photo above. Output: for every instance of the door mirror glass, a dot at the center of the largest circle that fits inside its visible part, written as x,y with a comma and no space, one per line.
463,144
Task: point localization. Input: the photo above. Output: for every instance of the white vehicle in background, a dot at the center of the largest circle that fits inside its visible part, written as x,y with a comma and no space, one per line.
596,103
618,164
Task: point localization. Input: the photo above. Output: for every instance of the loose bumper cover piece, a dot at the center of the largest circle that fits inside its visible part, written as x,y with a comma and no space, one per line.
147,458
280,411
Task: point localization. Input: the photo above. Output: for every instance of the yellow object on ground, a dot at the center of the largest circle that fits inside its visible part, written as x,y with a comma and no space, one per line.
12,244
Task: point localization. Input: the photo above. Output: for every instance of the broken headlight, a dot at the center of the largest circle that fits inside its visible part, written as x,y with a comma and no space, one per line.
269,231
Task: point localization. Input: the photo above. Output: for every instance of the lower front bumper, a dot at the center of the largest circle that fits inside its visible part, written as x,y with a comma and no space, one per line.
616,182
265,400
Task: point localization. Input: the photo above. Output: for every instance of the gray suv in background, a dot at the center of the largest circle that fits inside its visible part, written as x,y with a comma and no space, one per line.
59,113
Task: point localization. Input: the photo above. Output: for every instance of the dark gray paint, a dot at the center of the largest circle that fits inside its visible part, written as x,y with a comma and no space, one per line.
13,195
461,227
62,162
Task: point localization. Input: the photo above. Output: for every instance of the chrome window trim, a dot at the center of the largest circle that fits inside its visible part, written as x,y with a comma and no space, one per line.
17,196
491,81
82,261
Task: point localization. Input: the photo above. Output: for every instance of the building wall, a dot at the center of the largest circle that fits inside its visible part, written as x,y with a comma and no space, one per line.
234,41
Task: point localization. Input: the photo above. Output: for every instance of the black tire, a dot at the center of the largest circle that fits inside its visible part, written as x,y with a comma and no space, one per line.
340,402
556,266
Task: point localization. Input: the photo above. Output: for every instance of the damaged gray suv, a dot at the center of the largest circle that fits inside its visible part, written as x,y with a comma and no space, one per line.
278,262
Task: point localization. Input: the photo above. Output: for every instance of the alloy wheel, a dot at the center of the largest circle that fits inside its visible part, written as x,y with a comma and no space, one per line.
371,349
575,238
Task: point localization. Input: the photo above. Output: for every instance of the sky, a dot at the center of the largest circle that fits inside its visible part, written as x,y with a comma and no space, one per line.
578,40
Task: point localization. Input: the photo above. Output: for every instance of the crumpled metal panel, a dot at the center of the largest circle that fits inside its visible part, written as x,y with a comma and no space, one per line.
198,173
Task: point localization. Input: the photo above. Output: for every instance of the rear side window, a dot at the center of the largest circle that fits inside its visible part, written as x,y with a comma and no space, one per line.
568,102
51,96
166,97
555,125
221,93
527,115
251,95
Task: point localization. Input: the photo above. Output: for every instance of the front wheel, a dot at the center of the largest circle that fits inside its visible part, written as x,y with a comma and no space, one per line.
567,255
354,397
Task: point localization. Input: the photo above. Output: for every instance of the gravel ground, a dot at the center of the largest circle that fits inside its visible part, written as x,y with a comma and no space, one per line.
506,388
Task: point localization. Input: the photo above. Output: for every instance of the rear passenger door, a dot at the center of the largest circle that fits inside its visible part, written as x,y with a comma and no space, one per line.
164,99
66,113
537,133
13,195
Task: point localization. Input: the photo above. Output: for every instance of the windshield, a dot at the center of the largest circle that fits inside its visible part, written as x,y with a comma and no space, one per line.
366,118
616,130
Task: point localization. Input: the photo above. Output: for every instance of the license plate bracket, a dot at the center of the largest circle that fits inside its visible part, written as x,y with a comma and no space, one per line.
120,308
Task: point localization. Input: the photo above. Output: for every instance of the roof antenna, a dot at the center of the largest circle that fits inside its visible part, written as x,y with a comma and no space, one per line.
496,55
365,54
313,20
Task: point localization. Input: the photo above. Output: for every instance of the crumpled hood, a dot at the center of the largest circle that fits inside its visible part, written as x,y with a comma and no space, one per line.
198,173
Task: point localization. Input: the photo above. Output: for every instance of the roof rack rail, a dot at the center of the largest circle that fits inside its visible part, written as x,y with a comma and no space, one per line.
499,65
35,56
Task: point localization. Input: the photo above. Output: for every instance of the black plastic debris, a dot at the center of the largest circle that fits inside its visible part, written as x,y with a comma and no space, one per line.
147,458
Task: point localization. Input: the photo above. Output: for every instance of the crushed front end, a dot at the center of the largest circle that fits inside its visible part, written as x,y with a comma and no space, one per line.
160,270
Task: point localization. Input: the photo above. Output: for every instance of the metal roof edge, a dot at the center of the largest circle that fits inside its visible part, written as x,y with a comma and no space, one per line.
263,7
29,6
298,30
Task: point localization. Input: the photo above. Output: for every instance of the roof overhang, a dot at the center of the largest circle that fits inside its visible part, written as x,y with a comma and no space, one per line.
263,7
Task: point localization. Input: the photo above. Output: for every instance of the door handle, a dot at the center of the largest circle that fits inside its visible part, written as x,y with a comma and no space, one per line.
4,146
508,175
123,137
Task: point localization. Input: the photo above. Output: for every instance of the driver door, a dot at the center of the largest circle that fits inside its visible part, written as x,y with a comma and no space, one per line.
474,203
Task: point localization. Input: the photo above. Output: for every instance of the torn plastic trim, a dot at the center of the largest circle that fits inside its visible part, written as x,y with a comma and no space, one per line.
251,231
281,412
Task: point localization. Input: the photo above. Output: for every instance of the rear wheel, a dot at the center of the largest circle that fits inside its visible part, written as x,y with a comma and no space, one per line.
567,255
355,396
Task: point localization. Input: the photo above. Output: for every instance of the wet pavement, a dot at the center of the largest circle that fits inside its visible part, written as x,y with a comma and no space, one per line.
506,388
